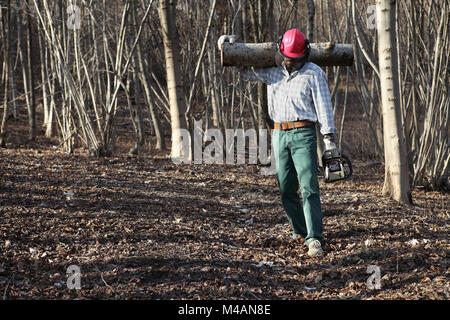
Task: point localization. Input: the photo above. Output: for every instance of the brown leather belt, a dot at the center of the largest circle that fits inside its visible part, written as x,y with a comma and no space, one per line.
292,125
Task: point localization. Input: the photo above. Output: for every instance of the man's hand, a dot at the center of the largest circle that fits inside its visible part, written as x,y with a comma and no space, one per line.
226,38
328,140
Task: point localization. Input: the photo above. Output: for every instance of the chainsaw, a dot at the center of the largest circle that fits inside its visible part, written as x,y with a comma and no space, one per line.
336,166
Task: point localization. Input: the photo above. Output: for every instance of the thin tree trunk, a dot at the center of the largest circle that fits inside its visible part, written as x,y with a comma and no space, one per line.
396,184
32,105
311,15
200,57
7,60
22,52
145,80
136,89
263,113
167,13
45,68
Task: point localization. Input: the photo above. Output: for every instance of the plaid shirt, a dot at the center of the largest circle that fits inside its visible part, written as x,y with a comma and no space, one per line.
302,95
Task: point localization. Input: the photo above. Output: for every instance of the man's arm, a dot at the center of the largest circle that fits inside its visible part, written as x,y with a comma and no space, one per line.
324,109
322,103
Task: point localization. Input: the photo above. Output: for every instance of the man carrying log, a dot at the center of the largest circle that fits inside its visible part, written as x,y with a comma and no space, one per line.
298,97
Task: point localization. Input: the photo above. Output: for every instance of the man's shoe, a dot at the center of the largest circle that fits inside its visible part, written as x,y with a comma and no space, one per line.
315,249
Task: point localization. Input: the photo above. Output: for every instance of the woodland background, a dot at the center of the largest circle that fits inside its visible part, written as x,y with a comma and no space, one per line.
86,176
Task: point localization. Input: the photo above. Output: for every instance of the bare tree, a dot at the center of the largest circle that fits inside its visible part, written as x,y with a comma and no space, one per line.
396,183
7,64
426,104
167,13
30,64
26,54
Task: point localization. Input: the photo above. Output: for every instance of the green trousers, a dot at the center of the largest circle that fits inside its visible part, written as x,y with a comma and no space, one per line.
296,160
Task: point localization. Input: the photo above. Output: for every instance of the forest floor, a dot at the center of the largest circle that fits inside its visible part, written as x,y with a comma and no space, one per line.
146,228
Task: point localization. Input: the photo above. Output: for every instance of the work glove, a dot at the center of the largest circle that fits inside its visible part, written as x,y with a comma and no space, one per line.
226,38
329,142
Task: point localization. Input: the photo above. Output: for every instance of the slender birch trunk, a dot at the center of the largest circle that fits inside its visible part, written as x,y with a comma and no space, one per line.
30,71
7,61
396,184
167,13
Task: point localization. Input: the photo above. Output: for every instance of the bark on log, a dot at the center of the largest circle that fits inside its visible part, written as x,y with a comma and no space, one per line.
262,55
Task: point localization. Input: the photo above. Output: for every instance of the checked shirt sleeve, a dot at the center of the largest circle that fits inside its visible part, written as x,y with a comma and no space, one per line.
322,102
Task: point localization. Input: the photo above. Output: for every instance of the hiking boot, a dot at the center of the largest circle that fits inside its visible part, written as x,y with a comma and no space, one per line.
315,249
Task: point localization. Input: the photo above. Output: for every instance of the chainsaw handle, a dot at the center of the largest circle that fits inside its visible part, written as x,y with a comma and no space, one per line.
346,160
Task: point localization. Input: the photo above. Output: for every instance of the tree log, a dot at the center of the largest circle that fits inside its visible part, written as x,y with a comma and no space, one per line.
262,55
